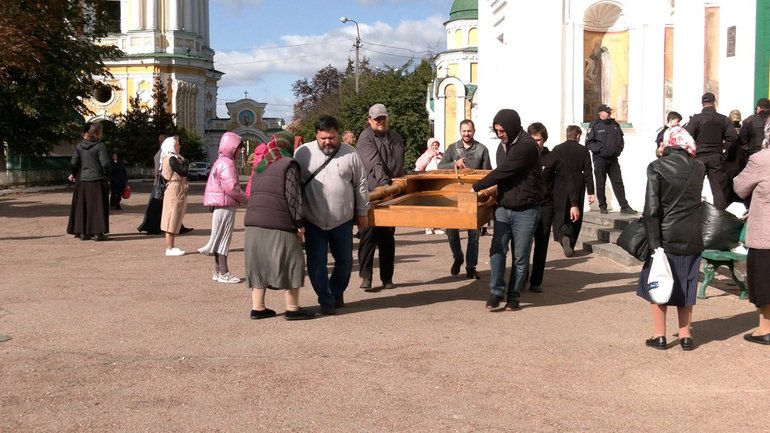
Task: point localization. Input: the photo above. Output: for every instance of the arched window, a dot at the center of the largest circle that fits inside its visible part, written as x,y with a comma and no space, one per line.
605,61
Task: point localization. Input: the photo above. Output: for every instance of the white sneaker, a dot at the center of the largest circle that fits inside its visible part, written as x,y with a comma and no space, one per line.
438,231
174,252
428,231
228,278
214,276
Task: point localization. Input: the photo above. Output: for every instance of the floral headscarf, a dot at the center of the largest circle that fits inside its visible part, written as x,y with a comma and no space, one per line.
280,145
676,136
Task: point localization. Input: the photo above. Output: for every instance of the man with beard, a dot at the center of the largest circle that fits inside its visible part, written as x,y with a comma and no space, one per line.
334,194
382,153
520,186
465,153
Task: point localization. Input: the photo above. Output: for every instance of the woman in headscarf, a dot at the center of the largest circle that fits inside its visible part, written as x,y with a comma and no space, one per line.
672,220
90,213
753,182
274,230
173,168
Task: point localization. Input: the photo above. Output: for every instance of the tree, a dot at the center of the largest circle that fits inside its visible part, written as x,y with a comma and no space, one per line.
48,61
402,90
135,133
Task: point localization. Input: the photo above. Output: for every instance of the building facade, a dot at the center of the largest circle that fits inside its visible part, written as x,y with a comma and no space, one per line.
168,40
556,61
451,95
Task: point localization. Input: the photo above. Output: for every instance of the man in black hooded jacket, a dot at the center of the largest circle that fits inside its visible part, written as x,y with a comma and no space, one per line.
520,187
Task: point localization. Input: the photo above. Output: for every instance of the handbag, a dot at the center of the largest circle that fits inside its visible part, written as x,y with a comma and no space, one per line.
126,194
633,240
158,188
660,282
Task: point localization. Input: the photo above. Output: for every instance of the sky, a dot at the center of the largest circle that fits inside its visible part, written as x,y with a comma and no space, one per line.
264,46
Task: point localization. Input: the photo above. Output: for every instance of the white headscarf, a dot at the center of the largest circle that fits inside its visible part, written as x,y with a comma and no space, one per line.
168,147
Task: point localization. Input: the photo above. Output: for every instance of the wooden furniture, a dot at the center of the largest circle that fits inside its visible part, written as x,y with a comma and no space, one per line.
439,198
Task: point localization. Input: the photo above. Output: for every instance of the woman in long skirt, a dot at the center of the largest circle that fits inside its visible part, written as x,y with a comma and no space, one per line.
672,221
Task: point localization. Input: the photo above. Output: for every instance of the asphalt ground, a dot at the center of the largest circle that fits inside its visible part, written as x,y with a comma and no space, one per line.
116,337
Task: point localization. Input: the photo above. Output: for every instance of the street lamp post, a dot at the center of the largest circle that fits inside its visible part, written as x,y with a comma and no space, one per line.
344,20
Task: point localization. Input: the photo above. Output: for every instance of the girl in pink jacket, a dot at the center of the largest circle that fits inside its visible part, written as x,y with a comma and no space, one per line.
223,194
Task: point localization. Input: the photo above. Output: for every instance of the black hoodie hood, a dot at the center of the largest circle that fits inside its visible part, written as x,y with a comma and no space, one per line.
88,144
511,123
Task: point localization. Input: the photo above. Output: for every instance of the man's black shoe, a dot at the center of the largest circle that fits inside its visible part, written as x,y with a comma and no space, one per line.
455,269
328,310
628,210
567,247
603,210
339,302
184,230
471,274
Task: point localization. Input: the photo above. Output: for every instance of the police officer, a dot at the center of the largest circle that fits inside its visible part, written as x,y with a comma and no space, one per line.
712,132
605,141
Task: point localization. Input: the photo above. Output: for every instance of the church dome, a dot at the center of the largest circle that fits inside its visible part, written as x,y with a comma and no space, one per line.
464,10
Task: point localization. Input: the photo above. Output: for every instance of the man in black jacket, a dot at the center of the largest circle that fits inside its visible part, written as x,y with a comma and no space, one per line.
712,132
382,153
520,186
605,141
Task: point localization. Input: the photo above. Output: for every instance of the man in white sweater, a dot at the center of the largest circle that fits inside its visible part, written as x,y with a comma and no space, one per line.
334,196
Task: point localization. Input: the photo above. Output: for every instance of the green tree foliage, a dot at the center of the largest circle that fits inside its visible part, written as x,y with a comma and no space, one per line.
48,61
402,90
135,133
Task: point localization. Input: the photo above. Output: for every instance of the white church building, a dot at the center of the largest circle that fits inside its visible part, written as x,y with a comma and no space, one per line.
555,61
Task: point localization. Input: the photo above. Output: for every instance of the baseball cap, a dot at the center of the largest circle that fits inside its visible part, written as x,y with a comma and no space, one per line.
605,108
378,110
708,97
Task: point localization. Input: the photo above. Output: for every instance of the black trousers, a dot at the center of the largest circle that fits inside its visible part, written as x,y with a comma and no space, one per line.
716,176
372,238
604,167
542,238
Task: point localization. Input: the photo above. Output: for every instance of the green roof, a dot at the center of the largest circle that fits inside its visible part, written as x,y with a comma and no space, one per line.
464,10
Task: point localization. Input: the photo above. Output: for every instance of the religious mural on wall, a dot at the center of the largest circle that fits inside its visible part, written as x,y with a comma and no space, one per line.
605,73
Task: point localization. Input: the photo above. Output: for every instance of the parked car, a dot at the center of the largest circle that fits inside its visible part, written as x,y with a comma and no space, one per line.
199,170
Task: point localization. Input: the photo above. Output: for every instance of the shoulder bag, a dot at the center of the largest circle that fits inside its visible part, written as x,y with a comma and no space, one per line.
633,239
158,188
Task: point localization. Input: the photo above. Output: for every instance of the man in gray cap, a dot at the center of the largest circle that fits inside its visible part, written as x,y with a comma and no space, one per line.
382,153
712,133
605,141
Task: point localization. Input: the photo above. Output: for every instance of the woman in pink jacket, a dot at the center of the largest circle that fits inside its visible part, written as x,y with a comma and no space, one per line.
753,182
223,194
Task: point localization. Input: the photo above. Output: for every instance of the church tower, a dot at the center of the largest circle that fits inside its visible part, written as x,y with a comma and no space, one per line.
452,94
166,40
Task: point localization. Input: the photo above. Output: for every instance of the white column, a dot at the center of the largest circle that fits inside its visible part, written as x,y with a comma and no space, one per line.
172,14
188,17
205,15
137,14
689,44
151,15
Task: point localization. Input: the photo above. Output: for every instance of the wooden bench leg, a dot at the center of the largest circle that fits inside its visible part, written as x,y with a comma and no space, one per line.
708,276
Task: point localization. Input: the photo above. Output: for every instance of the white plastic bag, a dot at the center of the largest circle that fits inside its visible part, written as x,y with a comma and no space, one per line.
660,283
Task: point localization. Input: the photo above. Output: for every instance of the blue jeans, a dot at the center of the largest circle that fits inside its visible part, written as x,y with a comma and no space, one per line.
516,227
472,249
318,243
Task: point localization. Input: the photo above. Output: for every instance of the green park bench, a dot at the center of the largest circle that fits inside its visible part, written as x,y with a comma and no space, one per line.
712,259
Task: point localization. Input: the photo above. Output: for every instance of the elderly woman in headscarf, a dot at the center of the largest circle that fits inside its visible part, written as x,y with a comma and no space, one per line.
672,220
753,182
275,229
173,168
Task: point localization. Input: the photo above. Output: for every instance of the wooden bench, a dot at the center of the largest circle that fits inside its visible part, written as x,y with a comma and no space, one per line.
712,259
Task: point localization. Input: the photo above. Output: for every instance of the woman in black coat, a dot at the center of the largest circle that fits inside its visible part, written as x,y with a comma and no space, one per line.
90,214
672,220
